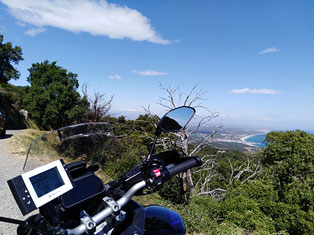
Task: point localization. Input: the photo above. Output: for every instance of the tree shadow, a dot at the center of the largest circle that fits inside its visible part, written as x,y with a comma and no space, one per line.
7,136
15,119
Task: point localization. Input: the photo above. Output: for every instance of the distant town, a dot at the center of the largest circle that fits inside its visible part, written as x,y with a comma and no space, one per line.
229,138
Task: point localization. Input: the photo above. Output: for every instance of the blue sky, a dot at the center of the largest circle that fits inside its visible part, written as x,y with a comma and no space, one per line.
255,58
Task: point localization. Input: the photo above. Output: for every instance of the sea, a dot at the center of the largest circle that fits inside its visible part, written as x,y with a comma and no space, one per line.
257,140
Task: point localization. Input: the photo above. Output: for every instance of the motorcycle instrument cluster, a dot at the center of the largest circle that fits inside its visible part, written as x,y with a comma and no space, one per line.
36,188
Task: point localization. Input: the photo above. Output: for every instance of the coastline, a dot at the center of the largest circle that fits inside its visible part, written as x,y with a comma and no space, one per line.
243,139
252,144
239,141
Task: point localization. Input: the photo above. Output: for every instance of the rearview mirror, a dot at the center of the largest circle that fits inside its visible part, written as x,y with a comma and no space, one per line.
176,119
173,121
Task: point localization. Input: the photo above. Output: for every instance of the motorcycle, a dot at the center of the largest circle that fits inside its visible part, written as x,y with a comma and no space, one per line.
72,200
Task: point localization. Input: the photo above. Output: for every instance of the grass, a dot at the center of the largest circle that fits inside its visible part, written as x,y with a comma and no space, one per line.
43,151
19,143
201,216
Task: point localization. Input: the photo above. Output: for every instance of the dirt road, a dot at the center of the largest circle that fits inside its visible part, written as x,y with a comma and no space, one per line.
10,167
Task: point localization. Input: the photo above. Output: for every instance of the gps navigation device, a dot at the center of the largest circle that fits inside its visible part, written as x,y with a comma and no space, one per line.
37,187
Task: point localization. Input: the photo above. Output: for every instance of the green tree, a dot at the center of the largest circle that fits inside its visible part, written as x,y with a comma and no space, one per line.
291,155
9,55
52,99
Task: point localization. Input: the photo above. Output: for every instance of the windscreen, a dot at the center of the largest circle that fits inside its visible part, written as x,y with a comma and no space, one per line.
81,142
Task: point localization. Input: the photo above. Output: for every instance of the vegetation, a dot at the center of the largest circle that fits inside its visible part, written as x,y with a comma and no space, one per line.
9,55
9,95
52,99
9,100
18,144
270,192
280,201
272,203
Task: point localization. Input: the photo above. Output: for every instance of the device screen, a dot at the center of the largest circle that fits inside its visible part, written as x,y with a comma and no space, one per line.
46,181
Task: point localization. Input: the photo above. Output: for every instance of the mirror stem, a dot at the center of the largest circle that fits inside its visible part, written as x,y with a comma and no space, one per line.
148,160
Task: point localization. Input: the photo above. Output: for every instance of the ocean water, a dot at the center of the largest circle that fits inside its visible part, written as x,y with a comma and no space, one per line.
257,140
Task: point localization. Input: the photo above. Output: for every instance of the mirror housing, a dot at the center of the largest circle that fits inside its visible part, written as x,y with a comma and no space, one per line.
176,119
173,121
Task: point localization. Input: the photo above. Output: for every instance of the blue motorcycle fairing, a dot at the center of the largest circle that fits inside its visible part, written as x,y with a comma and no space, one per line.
161,220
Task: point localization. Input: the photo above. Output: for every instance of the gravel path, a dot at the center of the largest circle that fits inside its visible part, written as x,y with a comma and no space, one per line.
10,167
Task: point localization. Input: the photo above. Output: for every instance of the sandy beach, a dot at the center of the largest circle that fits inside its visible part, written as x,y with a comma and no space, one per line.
240,141
244,138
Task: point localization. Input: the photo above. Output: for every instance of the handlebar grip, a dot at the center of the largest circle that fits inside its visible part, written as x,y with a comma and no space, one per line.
183,166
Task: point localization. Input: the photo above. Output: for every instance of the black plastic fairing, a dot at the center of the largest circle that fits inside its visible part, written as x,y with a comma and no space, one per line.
135,220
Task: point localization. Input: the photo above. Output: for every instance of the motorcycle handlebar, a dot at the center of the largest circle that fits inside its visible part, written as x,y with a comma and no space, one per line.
102,215
183,166
167,174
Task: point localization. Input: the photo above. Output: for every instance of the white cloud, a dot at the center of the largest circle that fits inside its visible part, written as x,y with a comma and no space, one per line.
116,76
128,110
254,91
34,31
21,24
268,119
229,116
148,72
269,50
94,17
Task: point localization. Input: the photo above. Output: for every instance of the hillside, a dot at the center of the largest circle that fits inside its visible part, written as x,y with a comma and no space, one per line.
9,106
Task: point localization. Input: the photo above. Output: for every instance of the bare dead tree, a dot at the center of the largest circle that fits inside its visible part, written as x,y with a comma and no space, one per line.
194,98
175,98
238,173
99,104
206,173
84,89
242,173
